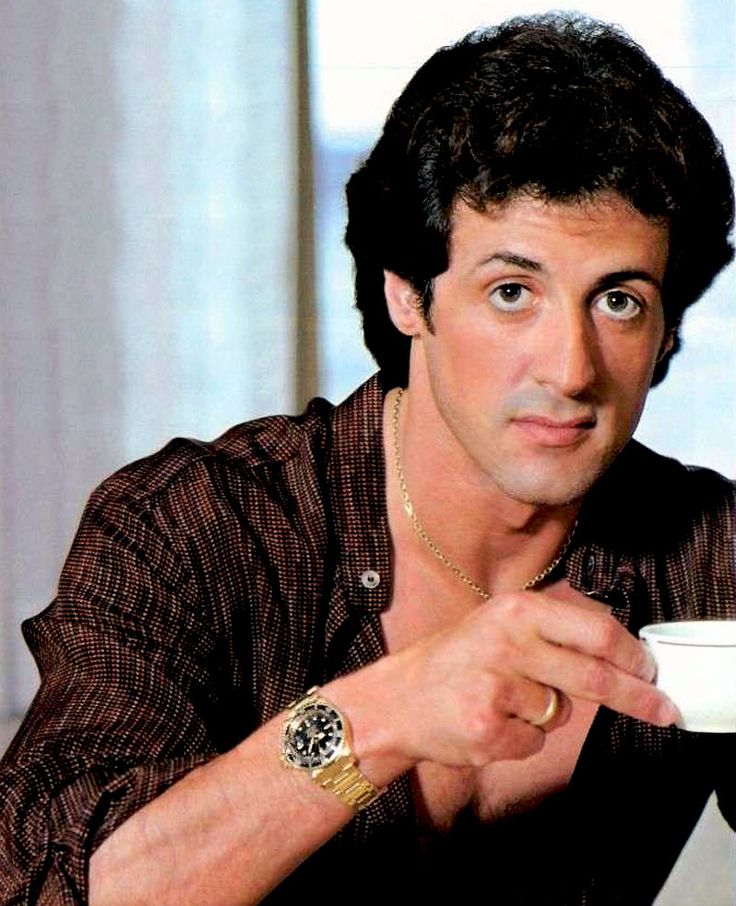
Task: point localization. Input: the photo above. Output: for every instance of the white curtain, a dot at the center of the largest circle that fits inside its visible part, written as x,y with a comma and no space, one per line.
148,186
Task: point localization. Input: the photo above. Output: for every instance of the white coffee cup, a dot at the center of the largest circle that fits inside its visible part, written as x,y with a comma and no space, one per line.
696,668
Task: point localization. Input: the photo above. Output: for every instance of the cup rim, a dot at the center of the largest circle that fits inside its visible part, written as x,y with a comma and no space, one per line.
708,633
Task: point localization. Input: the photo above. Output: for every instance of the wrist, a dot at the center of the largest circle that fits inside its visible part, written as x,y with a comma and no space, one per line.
368,698
316,738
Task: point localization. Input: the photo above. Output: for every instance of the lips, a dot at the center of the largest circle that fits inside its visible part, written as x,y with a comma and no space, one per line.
550,432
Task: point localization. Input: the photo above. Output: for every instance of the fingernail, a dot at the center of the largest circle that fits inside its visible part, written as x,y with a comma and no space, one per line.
669,714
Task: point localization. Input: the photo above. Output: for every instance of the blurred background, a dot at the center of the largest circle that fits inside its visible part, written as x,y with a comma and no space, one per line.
171,217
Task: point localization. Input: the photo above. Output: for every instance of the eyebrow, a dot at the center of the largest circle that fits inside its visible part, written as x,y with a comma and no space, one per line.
605,282
517,260
617,277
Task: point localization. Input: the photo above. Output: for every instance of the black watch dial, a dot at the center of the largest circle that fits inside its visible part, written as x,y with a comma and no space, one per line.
313,736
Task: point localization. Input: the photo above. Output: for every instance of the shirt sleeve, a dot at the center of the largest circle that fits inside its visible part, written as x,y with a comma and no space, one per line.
128,701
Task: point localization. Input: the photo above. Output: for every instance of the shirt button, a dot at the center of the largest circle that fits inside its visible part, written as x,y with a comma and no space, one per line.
590,565
370,579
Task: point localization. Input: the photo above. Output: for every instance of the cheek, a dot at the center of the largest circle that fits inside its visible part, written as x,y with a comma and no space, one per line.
478,369
629,361
629,378
471,346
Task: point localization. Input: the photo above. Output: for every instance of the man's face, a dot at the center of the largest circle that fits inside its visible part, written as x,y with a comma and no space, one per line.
545,330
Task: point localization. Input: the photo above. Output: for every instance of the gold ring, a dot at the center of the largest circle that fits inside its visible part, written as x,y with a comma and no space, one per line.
551,711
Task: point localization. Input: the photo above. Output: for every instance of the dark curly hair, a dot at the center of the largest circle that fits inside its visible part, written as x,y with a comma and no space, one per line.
558,106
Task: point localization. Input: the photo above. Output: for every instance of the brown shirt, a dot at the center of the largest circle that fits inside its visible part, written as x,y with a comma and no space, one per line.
212,583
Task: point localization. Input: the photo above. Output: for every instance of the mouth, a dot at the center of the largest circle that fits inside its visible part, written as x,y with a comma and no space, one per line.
551,432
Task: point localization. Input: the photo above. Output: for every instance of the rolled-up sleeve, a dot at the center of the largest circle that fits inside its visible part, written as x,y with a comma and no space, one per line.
128,700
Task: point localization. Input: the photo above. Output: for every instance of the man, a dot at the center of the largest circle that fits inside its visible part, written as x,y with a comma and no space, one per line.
459,556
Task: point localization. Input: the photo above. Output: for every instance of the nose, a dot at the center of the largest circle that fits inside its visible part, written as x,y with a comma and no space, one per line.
566,356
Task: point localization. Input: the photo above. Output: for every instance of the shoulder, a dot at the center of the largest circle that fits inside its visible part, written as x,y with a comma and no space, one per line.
197,518
663,478
279,464
244,452
647,496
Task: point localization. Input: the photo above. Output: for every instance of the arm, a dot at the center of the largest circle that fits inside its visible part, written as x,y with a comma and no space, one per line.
232,829
455,698
123,743
130,702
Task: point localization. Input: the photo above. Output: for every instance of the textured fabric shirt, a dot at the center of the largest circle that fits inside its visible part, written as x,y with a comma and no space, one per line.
212,583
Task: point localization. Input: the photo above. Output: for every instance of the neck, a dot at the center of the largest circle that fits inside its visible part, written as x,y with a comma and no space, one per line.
457,515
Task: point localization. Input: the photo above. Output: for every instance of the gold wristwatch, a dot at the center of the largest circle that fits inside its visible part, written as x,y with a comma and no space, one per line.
316,738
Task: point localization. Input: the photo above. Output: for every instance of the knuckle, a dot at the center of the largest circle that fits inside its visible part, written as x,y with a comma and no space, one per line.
598,681
536,742
501,650
650,702
565,713
527,741
606,636
478,756
511,606
485,725
479,737
502,695
476,730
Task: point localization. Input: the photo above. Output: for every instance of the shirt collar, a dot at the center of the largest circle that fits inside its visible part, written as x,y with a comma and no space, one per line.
620,524
601,562
357,489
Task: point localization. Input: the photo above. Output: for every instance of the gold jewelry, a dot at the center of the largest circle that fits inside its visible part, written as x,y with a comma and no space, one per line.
432,545
317,738
552,708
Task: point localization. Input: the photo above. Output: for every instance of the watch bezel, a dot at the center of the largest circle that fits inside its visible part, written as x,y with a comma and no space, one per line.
309,710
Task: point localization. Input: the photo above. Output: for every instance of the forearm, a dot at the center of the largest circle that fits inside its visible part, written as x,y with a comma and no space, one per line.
461,698
231,830
224,834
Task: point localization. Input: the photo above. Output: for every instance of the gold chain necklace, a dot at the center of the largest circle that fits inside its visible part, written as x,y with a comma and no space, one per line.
432,545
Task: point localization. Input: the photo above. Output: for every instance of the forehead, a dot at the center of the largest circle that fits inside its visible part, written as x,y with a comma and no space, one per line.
601,231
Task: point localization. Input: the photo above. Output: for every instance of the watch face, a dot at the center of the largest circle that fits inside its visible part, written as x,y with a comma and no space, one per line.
312,738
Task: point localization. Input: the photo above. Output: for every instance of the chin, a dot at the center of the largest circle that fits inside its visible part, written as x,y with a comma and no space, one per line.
541,497
552,488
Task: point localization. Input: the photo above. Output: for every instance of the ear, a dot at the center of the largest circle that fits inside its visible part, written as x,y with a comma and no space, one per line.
666,347
403,304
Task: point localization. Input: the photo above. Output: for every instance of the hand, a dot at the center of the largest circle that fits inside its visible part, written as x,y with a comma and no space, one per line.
466,696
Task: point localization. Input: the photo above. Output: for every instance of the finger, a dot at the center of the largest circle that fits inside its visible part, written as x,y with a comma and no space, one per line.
499,728
544,707
587,654
557,711
519,740
594,633
550,712
583,676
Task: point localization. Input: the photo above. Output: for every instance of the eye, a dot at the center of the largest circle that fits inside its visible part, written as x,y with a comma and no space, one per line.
511,297
618,305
